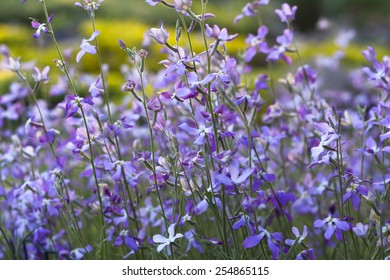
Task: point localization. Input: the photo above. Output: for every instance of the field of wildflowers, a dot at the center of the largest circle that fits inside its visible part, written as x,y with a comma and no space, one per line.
205,157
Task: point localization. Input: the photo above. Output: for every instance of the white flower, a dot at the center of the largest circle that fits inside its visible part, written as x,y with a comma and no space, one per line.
158,238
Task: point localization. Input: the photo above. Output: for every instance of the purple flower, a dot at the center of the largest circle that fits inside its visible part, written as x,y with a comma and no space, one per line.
153,2
86,47
307,255
35,130
201,207
369,54
241,222
74,103
96,88
219,34
352,193
155,104
380,71
284,41
89,5
273,241
371,147
41,76
182,6
360,230
386,123
332,225
160,35
298,236
249,9
202,131
286,14
192,242
118,126
305,73
125,237
256,43
41,27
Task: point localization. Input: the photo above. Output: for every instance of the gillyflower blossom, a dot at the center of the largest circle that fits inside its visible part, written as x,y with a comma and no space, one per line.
250,9
35,130
90,6
273,241
158,238
353,193
203,129
360,230
126,238
40,27
160,35
307,255
286,14
284,41
96,88
74,103
256,43
386,123
192,242
298,236
41,76
153,2
332,226
182,6
12,64
86,47
219,34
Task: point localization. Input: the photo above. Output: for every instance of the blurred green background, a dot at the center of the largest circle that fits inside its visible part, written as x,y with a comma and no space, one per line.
130,19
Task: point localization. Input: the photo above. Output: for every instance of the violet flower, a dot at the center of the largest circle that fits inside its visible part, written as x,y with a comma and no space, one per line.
249,9
202,131
286,14
219,34
353,194
126,238
298,236
41,76
360,230
86,47
332,226
273,241
256,43
284,41
40,27
73,104
153,2
160,35
307,255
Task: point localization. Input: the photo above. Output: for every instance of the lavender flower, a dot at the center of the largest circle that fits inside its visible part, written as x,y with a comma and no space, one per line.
273,240
298,236
286,14
158,238
160,35
86,47
332,225
360,230
40,27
